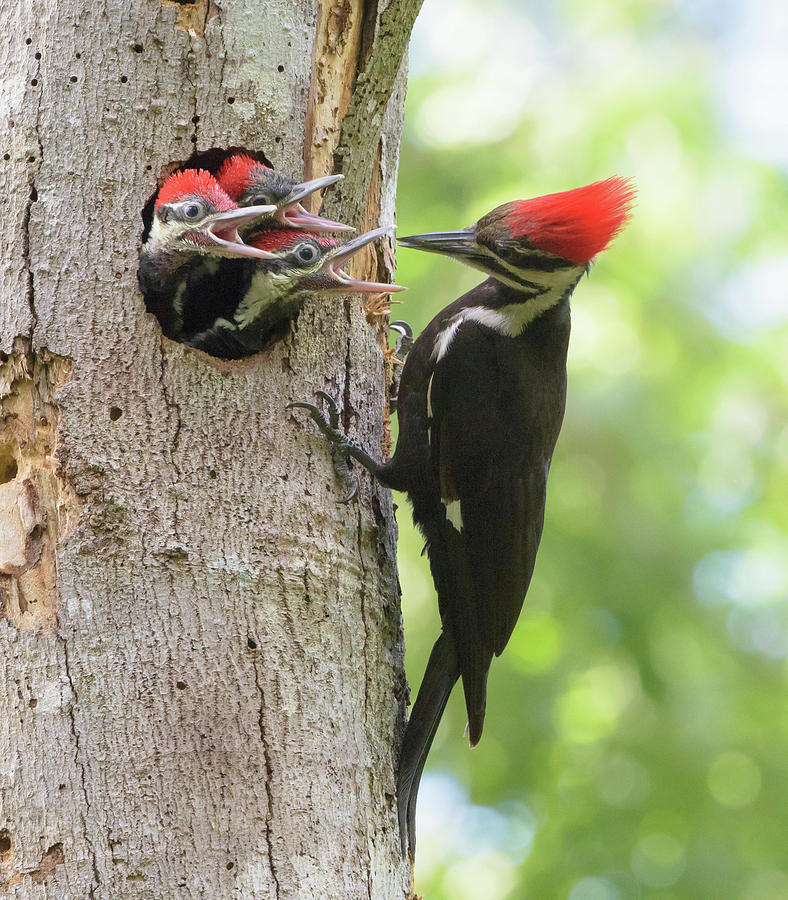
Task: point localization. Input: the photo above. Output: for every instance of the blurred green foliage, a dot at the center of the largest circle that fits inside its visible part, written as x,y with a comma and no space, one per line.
636,743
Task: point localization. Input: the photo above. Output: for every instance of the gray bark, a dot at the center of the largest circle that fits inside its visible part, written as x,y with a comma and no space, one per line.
201,662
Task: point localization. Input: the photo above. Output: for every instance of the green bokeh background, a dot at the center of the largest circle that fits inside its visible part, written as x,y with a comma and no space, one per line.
636,742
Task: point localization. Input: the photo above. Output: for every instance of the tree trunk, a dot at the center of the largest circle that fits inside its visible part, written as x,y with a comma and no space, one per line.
201,649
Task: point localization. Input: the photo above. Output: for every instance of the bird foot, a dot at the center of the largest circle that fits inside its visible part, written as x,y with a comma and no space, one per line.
340,445
401,350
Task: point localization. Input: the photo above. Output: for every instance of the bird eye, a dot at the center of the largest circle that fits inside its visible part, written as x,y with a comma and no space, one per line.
192,211
260,200
306,253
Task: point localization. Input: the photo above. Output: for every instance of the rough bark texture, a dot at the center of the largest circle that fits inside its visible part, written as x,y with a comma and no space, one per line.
201,651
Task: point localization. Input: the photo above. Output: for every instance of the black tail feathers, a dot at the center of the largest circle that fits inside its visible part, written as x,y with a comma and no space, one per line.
439,679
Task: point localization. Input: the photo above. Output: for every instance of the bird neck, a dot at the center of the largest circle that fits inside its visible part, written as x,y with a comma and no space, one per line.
510,309
269,289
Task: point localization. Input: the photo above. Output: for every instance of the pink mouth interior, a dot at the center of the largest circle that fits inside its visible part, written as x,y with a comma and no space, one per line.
228,234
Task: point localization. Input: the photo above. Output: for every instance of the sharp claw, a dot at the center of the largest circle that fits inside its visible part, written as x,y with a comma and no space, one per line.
405,339
333,409
353,493
330,429
402,327
300,404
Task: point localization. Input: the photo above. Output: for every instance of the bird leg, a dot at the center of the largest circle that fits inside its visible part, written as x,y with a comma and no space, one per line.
401,350
342,448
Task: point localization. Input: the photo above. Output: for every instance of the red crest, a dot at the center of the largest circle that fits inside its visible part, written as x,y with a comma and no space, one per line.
280,240
574,224
239,173
191,183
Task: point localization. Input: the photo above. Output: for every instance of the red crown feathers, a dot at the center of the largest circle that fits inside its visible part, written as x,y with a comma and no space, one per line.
239,173
281,239
190,183
575,224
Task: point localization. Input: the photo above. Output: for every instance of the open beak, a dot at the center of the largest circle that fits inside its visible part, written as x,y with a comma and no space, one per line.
333,267
459,244
222,229
294,215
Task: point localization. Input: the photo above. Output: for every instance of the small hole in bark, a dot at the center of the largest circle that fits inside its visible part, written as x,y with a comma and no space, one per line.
181,685
38,56
231,99
137,48
229,866
195,119
77,56
31,159
33,191
148,168
280,68
5,841
251,644
34,81
33,703
6,156
73,79
61,787
212,474
28,40
123,79
8,464
115,412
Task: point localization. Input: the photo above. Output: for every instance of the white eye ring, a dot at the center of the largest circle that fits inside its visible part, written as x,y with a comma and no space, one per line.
306,253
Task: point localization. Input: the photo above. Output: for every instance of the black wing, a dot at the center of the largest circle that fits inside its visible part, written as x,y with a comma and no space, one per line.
491,463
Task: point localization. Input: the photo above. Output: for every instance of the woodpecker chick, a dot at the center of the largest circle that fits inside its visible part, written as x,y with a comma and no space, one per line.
270,293
249,182
192,218
480,404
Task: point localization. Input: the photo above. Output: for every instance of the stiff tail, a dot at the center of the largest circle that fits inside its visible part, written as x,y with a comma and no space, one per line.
439,679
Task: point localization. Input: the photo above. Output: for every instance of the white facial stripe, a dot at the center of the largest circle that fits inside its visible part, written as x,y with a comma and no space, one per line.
453,513
429,396
514,317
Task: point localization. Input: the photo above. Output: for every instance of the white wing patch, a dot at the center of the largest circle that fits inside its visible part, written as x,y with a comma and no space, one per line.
453,513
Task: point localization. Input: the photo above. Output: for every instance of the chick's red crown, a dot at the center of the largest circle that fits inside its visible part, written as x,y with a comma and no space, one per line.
194,183
238,173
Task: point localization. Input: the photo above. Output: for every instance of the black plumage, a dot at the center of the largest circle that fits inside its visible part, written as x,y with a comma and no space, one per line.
480,405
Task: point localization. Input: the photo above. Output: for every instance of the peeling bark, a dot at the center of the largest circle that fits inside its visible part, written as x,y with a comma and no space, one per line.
201,662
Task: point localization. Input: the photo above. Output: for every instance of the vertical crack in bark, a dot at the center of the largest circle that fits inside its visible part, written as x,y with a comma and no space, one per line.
347,400
269,813
30,288
32,198
363,122
174,408
81,768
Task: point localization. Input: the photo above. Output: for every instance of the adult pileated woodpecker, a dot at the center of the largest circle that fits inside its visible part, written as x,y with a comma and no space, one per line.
270,292
192,217
481,401
251,183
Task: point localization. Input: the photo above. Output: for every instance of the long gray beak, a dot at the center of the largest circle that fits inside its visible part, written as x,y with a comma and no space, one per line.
294,214
461,244
222,229
343,253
